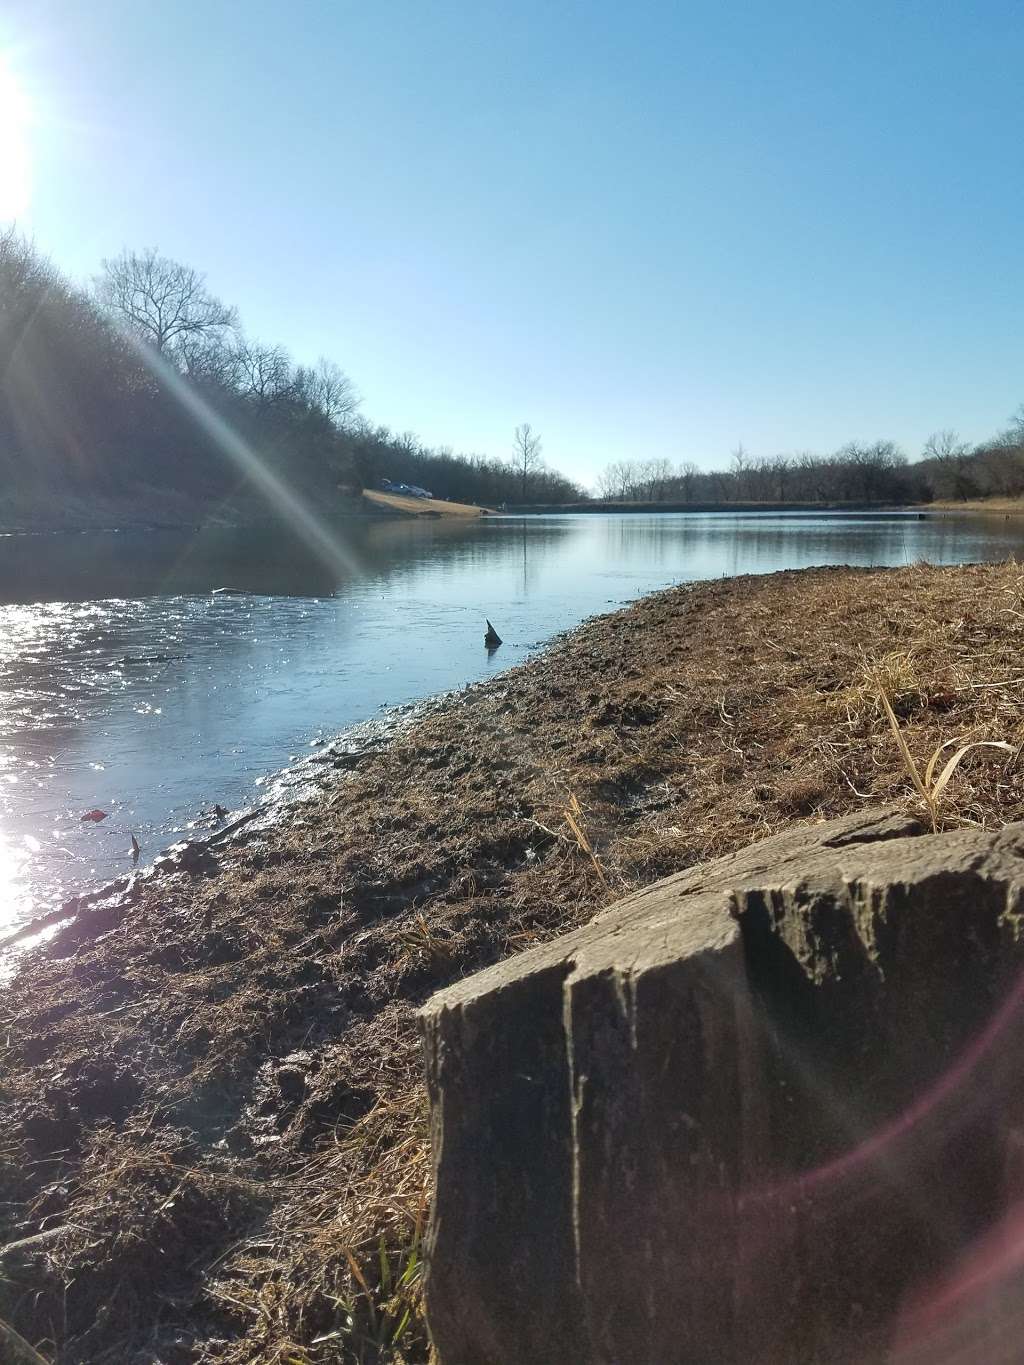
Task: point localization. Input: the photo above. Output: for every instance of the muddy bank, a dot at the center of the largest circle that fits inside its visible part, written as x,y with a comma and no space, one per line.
216,1116
306,778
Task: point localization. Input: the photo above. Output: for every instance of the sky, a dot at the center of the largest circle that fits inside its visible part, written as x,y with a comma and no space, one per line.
649,229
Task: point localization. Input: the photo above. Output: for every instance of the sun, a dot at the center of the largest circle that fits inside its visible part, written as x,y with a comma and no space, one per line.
15,160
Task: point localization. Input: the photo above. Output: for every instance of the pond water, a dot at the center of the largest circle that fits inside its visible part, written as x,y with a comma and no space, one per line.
128,685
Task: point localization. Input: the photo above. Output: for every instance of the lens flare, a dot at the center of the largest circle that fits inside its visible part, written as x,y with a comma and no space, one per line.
286,501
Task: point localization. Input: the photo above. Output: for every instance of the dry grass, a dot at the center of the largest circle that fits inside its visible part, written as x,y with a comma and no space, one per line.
1002,506
421,507
927,785
229,1121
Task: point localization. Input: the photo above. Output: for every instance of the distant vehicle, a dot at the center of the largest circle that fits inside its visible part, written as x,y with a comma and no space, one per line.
405,490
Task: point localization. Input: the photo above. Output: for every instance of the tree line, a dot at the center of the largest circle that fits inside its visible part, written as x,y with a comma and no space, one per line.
947,469
91,403
91,399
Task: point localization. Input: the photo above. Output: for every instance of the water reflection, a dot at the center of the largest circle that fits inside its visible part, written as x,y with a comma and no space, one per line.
127,683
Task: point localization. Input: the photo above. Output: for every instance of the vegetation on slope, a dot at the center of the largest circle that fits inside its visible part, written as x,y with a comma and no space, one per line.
146,394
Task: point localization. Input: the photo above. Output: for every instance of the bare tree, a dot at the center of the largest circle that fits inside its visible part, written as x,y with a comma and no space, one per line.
687,477
161,301
408,443
265,372
25,281
328,388
527,456
211,359
739,465
864,468
617,480
953,477
815,475
779,466
945,446
654,475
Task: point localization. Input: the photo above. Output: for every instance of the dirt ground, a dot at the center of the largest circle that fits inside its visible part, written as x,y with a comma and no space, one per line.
421,507
215,1132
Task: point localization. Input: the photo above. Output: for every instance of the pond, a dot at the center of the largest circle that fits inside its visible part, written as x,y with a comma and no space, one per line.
129,684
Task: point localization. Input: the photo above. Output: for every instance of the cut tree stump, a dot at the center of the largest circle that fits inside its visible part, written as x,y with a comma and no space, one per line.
767,1110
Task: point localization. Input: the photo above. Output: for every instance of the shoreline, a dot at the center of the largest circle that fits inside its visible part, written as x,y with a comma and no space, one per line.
214,1090
740,508
371,505
311,774
164,511
990,507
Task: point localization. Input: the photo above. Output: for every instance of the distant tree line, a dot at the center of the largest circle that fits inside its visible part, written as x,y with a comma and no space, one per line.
91,401
876,471
379,453
91,398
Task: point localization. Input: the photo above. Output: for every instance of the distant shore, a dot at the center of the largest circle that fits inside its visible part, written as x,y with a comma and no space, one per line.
156,511
598,505
172,512
216,1127
162,511
1001,507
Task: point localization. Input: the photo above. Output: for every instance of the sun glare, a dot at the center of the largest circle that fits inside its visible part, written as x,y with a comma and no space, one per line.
14,901
15,167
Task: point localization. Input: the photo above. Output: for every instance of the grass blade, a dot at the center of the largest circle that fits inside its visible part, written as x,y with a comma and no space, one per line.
955,761
573,818
908,757
929,772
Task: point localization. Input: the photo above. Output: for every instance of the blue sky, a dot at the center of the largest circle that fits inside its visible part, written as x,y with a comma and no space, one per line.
650,229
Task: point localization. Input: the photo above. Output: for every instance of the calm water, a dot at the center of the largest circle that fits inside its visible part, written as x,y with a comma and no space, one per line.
127,684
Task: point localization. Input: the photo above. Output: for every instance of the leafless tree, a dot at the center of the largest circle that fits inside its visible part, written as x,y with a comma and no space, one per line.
654,475
687,477
815,476
328,388
617,480
161,301
945,446
779,466
527,454
22,271
739,465
212,360
953,476
265,372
